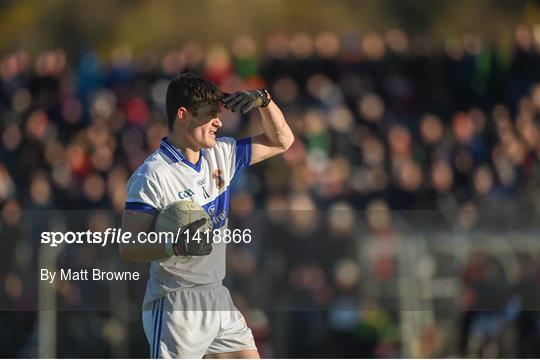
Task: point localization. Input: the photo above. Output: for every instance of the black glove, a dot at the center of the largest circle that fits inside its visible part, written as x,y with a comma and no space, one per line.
190,246
246,100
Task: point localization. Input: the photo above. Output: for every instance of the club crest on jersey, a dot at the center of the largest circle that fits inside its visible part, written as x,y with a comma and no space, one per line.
218,178
186,193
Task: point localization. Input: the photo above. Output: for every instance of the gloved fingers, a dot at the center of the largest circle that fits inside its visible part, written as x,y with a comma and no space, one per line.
197,224
233,100
226,97
241,104
247,107
182,249
203,248
232,105
207,249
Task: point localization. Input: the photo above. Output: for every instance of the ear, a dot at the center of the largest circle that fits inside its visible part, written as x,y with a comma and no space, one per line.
181,115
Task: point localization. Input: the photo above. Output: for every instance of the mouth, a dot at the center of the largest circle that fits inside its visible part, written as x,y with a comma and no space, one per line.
212,133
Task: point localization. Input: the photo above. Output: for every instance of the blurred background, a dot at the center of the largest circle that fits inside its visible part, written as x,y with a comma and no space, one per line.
402,222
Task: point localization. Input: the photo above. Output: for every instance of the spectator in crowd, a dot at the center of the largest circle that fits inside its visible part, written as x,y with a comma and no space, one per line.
383,122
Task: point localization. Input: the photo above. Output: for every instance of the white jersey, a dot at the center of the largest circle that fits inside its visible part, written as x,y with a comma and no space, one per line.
166,176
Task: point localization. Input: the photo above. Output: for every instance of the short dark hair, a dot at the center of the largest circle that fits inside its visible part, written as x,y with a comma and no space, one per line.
191,92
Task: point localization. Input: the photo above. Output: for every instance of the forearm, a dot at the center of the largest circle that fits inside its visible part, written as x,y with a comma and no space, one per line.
275,127
142,252
140,223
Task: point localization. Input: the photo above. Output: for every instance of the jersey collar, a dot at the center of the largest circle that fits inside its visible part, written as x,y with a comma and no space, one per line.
176,156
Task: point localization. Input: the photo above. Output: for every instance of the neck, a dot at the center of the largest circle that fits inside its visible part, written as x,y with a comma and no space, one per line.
190,152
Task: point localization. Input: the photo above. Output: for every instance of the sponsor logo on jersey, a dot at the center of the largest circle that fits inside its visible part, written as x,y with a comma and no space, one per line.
218,209
185,194
219,218
217,175
201,182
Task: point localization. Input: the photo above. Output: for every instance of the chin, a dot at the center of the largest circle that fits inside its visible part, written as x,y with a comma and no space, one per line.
208,144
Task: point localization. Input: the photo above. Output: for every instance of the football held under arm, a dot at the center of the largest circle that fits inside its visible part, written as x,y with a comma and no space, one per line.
143,201
139,224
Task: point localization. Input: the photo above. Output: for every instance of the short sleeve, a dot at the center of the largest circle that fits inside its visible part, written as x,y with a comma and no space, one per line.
142,194
242,153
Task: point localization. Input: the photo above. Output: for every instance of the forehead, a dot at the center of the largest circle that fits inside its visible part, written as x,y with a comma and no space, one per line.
209,109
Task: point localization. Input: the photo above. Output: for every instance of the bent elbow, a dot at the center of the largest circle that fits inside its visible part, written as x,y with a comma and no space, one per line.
288,143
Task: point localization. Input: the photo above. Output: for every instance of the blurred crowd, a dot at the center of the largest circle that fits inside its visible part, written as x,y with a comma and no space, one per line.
385,124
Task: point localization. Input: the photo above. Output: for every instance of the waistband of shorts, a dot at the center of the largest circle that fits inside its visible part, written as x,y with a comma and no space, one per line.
184,288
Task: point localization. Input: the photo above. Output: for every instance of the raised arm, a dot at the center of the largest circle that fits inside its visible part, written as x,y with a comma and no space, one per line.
277,136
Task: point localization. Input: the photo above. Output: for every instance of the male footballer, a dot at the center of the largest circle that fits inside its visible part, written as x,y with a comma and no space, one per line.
187,312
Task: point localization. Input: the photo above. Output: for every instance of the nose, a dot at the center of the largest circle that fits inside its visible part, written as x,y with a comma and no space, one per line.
217,122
